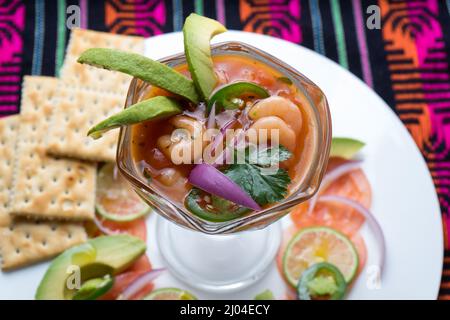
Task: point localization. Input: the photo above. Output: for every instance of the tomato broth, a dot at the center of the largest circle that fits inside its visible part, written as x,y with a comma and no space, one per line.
172,180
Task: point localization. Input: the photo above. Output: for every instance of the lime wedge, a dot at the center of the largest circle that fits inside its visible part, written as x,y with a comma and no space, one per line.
170,294
115,200
319,244
345,148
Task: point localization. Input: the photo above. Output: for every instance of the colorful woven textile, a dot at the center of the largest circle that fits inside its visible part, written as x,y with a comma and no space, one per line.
406,61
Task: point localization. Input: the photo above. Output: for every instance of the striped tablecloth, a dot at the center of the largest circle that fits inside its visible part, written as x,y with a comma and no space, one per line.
406,60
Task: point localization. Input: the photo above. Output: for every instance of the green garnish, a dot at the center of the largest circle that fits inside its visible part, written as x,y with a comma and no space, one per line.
153,108
263,188
197,32
322,280
141,67
217,210
269,156
265,295
94,288
345,148
285,80
227,97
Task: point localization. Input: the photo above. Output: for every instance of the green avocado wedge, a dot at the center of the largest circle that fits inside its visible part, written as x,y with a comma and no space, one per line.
106,255
345,148
141,67
198,31
153,108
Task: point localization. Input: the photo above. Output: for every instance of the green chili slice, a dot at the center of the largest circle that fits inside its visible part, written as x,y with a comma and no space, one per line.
321,280
94,288
216,209
232,96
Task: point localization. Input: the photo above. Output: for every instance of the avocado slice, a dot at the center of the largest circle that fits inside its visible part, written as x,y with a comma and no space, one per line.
197,32
106,255
141,67
153,108
345,148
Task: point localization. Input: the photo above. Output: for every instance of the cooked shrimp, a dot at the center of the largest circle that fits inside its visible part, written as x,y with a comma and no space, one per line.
281,108
286,135
185,144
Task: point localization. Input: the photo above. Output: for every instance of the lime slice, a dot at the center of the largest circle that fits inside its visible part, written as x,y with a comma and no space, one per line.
319,244
345,148
115,200
170,294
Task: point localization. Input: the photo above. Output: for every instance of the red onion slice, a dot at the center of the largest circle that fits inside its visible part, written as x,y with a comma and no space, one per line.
209,179
140,283
332,176
104,229
370,219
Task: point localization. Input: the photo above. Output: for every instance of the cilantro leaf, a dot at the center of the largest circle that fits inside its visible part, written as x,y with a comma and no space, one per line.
252,176
267,157
264,189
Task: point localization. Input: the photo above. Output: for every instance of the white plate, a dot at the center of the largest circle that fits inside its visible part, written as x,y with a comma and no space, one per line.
404,199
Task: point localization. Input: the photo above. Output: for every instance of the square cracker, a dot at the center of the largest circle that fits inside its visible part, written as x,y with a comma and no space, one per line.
78,75
75,112
8,136
26,242
45,187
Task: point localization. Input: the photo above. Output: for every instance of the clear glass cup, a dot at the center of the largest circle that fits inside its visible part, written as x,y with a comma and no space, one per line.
209,248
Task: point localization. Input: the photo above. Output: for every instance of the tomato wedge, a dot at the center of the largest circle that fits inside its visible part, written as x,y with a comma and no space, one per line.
137,228
123,280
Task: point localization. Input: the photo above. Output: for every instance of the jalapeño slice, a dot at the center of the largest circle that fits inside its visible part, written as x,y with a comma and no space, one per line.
322,280
232,96
212,208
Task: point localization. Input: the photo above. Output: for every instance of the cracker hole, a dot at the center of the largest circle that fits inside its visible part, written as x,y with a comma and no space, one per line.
17,251
27,235
69,169
53,228
69,235
44,243
55,179
11,228
41,189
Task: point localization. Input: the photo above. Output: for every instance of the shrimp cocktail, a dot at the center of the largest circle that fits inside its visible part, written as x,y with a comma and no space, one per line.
220,138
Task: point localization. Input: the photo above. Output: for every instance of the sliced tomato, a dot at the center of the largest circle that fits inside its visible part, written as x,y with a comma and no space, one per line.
137,228
353,185
123,280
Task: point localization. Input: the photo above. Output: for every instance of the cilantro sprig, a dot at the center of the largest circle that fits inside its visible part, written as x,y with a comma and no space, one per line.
263,186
